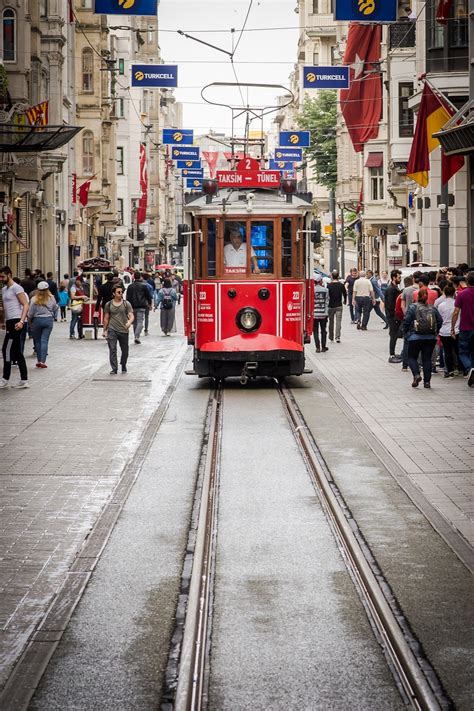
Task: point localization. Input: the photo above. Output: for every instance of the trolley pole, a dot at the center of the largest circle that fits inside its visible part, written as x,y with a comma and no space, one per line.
333,252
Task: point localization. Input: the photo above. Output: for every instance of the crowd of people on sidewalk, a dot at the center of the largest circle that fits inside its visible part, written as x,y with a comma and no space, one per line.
31,306
432,314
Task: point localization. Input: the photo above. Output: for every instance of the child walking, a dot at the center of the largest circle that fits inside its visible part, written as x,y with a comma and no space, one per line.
63,301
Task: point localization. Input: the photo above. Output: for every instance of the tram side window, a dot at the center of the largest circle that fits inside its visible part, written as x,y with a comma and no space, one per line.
235,248
286,247
211,248
262,242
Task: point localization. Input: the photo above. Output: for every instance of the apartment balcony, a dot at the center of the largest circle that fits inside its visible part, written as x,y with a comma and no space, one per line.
320,25
401,35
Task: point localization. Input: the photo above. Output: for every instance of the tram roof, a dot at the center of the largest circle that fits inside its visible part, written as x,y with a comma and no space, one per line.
271,201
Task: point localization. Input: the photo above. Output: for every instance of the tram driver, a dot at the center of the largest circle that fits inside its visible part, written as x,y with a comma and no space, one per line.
235,253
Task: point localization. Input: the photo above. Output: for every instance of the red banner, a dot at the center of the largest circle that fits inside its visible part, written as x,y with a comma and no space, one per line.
143,202
211,157
74,188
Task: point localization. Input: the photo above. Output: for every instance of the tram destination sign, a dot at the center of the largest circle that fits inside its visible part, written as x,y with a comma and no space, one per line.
155,75
326,77
366,10
249,179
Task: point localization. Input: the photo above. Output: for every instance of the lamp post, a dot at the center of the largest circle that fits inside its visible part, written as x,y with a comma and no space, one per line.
444,227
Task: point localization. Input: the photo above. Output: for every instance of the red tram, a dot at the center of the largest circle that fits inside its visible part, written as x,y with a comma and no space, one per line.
248,260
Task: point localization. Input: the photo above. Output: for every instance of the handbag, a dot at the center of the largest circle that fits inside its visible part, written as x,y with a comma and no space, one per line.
76,307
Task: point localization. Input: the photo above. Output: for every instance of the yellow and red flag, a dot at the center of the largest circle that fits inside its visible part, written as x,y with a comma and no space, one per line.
38,115
433,113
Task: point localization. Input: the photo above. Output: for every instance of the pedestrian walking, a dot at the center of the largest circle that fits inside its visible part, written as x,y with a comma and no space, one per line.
383,283
464,307
78,297
321,312
379,296
63,301
337,294
450,342
139,297
150,285
15,309
391,295
53,287
28,283
422,322
362,299
118,317
41,315
349,284
167,298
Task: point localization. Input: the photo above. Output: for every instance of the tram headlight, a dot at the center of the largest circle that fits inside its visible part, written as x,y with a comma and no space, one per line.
248,319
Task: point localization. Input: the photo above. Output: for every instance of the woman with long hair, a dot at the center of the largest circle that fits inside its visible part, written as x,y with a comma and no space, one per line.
41,314
166,300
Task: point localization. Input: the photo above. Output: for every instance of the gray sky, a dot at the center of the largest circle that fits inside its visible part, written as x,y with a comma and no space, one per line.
268,57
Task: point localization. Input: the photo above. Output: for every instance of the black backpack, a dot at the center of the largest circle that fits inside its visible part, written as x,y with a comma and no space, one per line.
167,300
425,320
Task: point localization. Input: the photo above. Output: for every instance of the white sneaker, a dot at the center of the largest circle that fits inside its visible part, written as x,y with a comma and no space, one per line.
22,384
4,383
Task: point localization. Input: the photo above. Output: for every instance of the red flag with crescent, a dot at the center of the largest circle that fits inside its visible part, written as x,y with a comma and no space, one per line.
143,202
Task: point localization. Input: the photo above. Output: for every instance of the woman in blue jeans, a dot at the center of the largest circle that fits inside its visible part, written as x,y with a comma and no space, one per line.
41,314
422,323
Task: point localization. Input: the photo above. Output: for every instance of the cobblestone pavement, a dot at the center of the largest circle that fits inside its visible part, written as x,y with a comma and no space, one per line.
429,433
63,445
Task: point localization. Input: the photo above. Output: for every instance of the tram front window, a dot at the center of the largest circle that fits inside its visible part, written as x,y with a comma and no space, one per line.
261,240
235,250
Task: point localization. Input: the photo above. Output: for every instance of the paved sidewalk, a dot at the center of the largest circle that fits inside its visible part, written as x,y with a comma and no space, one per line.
63,445
429,433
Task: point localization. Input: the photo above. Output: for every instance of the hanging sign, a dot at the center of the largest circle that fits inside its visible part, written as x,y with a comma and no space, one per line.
190,164
294,138
295,155
194,183
155,75
182,136
190,153
126,7
366,10
280,165
188,173
326,77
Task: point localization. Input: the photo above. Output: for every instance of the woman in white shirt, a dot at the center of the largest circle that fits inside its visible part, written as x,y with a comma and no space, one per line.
450,344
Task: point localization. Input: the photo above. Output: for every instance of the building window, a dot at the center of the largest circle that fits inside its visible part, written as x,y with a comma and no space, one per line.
376,183
405,114
43,8
316,58
86,4
315,7
120,160
458,26
120,210
436,34
88,153
87,70
9,35
120,108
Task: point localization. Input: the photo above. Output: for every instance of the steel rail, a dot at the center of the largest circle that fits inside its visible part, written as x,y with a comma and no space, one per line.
190,686
414,682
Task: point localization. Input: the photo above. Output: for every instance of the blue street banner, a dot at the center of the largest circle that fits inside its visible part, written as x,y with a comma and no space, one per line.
194,183
190,164
326,77
185,153
294,138
187,173
295,155
155,75
366,10
279,165
183,136
126,7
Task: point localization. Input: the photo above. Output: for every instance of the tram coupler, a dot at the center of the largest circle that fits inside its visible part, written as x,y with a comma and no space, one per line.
249,371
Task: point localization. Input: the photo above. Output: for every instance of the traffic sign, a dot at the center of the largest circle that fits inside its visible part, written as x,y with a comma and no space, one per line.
187,173
190,164
294,138
185,153
155,75
295,155
194,183
326,77
366,10
183,136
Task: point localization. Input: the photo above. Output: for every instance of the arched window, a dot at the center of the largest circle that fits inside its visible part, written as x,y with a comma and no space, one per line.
87,70
88,153
9,35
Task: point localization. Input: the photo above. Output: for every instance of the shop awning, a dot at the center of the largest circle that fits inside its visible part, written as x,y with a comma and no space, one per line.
34,139
374,160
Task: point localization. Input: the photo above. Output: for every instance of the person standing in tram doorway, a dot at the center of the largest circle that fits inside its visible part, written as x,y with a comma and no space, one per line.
118,317
235,252
166,301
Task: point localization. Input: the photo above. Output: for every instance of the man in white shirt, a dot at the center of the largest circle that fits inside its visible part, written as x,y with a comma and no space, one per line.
363,298
15,306
235,253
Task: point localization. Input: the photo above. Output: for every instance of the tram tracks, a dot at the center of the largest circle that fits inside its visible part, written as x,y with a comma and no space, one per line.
189,666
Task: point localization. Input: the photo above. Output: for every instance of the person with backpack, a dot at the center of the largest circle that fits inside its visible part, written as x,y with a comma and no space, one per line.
140,298
422,323
118,317
166,300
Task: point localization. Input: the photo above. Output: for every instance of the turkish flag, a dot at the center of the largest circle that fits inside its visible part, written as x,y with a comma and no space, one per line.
84,192
443,11
143,202
361,104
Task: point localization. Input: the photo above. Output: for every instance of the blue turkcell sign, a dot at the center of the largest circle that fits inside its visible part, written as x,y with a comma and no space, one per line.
185,153
280,165
189,164
183,136
326,77
187,173
295,155
126,7
366,10
154,75
294,138
194,183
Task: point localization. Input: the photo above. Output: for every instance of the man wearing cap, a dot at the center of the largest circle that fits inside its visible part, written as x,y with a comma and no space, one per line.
15,305
320,314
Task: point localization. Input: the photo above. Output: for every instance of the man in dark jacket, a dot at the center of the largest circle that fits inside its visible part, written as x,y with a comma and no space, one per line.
139,297
105,292
391,295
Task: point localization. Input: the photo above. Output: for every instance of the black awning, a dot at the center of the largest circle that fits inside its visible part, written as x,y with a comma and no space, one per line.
34,139
457,135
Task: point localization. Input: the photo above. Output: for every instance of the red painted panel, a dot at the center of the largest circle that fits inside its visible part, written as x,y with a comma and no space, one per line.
205,314
247,295
292,310
251,341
